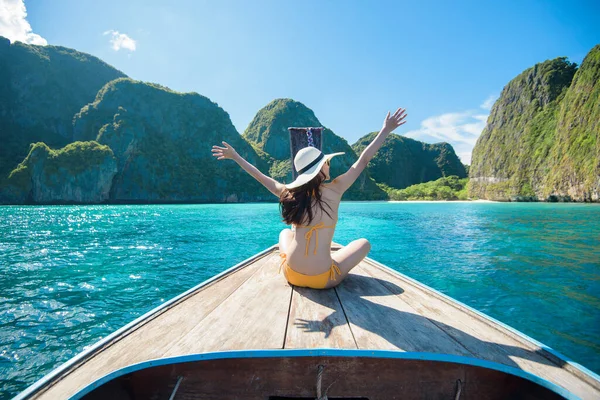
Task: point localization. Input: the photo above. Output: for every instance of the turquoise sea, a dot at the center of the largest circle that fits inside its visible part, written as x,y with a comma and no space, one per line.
71,275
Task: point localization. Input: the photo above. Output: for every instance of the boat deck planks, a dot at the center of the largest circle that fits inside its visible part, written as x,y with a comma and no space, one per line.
250,318
316,320
381,320
149,340
486,340
253,307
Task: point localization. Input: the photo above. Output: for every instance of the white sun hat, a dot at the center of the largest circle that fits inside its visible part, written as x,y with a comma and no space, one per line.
308,163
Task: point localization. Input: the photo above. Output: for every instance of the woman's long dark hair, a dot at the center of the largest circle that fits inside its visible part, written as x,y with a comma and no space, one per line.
295,204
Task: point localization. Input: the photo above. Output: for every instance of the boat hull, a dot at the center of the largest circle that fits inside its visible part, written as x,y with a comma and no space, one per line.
295,374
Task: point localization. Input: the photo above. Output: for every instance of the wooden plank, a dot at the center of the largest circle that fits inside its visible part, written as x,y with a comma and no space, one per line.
317,320
148,340
485,340
465,329
253,317
381,320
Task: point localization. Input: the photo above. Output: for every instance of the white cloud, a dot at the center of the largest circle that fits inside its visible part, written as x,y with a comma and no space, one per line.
489,102
120,41
460,129
14,25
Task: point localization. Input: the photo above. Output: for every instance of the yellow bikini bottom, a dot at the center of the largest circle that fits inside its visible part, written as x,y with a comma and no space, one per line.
310,281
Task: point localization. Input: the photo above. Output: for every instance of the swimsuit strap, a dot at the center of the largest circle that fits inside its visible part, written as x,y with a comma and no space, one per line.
334,268
308,234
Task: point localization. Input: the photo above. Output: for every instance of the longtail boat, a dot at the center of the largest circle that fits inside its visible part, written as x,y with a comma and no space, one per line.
247,334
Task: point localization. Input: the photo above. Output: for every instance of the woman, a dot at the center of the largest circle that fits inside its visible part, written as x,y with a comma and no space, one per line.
310,206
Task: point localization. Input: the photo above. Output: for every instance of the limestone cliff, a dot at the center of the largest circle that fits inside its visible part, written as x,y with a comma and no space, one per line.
575,157
162,141
41,88
542,138
81,173
402,162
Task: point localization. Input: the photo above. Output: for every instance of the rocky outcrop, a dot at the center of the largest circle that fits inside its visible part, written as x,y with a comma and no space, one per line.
79,173
575,157
402,162
162,141
41,88
541,139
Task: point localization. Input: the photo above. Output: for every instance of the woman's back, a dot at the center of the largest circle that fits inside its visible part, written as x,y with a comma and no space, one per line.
310,251
307,248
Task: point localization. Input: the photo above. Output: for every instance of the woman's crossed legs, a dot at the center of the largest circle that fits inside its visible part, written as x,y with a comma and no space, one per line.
345,258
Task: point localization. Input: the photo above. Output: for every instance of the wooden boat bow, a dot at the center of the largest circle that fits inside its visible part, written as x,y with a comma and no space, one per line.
378,324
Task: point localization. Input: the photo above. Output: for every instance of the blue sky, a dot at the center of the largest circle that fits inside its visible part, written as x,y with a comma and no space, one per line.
349,61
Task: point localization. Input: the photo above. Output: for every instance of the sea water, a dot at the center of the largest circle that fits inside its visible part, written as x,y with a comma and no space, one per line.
71,275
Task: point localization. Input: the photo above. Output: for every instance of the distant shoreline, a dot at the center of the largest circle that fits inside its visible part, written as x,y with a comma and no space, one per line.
275,202
445,201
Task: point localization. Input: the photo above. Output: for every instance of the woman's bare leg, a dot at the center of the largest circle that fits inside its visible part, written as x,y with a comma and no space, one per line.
285,237
349,257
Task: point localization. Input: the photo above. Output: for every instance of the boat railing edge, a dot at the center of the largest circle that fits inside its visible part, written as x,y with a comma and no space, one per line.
83,355
332,352
576,367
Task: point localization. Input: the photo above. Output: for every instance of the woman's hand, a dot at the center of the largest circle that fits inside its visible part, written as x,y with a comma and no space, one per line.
224,152
391,123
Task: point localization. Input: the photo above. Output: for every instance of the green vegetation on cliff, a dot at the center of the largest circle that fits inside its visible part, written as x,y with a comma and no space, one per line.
41,88
447,188
73,158
520,128
401,161
541,139
576,156
54,175
162,140
268,130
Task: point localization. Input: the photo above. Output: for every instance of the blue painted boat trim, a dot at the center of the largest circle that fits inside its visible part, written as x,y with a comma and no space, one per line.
221,355
493,320
68,364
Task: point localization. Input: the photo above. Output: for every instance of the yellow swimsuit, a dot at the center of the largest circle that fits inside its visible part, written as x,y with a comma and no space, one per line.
312,281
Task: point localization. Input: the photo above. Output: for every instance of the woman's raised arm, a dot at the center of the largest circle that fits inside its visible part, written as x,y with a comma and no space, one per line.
344,181
228,152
